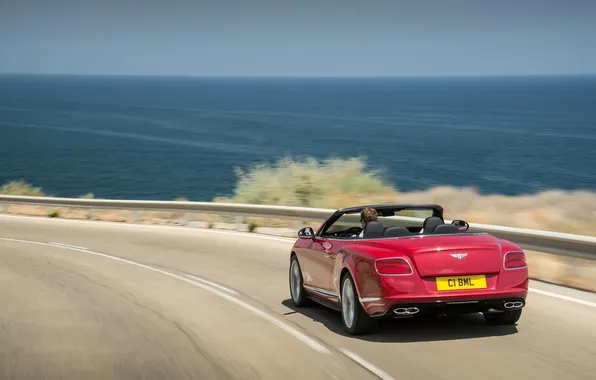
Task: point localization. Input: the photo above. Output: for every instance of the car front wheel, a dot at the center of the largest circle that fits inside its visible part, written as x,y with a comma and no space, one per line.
297,292
354,318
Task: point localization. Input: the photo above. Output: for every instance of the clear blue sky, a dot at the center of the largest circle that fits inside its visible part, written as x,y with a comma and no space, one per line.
298,38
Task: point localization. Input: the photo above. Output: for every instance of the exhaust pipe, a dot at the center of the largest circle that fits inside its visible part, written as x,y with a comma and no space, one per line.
513,304
406,311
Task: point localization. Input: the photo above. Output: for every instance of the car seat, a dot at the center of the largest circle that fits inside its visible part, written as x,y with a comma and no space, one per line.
430,224
373,229
397,231
446,229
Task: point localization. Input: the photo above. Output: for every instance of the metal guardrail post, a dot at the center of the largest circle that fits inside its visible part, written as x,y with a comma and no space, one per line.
571,269
239,222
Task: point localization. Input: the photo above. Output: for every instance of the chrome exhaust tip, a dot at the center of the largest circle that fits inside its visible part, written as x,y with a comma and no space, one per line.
513,304
406,311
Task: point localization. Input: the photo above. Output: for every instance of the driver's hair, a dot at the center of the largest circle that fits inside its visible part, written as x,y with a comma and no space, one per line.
369,215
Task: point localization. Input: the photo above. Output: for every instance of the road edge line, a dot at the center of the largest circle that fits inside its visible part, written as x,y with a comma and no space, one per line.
365,364
562,297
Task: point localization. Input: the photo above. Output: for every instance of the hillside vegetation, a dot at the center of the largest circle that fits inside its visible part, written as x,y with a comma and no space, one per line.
336,183
330,183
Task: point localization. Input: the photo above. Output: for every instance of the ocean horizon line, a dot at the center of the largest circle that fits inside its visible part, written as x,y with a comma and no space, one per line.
351,77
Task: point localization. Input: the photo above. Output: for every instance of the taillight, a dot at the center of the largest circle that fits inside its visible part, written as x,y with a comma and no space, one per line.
393,267
515,260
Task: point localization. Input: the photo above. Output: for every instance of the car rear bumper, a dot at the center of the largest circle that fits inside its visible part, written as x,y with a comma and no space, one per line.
432,305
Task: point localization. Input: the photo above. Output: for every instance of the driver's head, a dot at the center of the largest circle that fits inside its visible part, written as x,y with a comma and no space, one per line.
368,215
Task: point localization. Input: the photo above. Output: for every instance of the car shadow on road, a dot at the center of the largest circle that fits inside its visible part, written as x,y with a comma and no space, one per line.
409,330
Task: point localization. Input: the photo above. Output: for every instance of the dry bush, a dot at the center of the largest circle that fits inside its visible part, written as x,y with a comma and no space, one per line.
21,188
307,183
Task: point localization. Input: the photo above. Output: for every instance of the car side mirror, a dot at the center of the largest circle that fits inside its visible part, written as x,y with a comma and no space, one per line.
462,225
306,233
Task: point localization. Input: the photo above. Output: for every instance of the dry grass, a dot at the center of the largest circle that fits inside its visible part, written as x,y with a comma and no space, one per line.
336,183
571,212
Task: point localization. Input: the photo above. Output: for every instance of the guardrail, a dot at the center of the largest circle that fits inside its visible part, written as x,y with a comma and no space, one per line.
543,241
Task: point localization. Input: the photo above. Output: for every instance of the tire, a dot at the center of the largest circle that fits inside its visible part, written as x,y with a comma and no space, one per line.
297,292
353,316
504,318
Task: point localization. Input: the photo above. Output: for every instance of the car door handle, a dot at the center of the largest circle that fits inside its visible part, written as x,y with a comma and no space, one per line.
326,247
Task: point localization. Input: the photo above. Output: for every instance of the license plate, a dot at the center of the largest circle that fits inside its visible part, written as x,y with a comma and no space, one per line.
461,282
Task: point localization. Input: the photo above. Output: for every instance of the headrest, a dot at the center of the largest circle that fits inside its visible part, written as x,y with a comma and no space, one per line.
430,223
397,231
446,229
373,229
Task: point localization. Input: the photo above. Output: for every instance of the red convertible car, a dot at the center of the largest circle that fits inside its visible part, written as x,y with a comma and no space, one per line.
407,263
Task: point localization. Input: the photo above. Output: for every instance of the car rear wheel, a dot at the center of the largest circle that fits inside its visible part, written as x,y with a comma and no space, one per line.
297,292
354,318
505,318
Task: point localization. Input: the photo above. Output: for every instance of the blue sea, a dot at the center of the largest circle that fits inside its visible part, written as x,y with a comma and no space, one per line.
164,137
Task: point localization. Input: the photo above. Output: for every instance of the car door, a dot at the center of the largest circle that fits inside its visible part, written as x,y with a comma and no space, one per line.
320,264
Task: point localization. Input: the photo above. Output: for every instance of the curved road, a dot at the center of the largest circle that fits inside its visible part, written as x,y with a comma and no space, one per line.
100,300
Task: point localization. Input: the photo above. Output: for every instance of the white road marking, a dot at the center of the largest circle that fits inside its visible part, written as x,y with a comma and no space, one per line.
560,296
381,374
287,328
212,284
67,245
26,241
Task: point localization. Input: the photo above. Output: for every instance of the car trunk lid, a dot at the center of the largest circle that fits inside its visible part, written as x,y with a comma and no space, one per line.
460,254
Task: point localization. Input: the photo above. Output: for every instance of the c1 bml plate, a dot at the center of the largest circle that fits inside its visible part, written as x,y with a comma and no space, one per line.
461,282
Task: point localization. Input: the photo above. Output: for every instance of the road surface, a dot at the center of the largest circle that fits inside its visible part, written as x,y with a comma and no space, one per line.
93,300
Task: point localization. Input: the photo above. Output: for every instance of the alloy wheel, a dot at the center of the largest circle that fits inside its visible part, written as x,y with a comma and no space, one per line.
348,303
296,285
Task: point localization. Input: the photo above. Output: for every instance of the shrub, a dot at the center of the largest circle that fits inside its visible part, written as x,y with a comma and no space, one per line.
308,183
54,214
252,226
21,188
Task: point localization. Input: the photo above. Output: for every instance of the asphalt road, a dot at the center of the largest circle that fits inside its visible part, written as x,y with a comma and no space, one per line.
92,300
